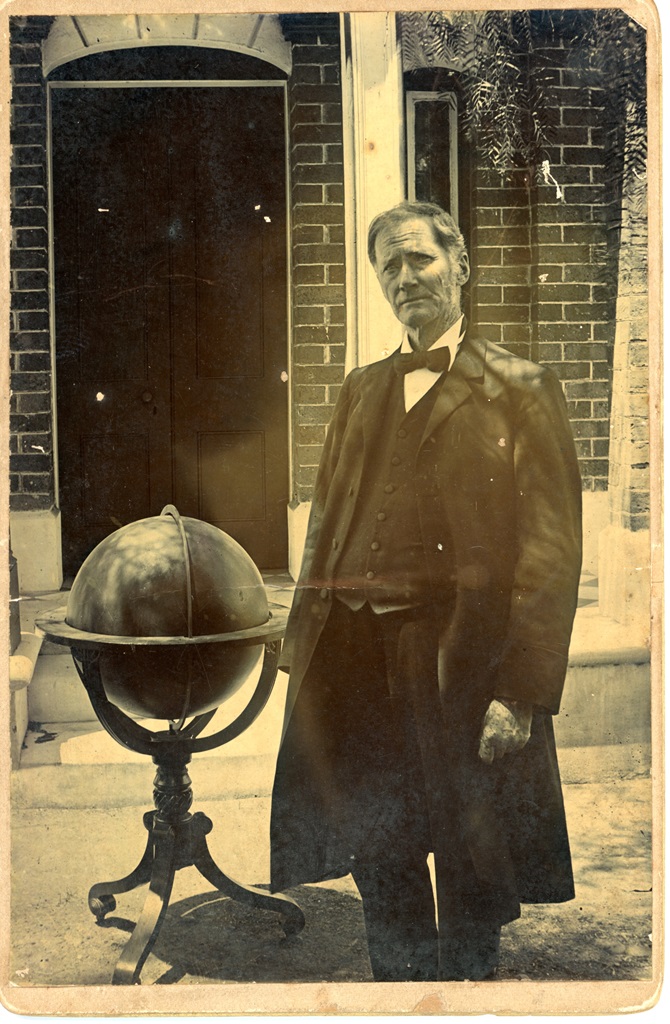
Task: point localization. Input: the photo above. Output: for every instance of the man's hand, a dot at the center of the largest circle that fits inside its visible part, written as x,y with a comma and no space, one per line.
506,729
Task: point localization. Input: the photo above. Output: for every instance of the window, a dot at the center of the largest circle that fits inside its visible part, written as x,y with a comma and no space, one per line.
432,151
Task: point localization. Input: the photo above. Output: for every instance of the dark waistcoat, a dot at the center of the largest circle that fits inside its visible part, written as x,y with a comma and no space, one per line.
383,560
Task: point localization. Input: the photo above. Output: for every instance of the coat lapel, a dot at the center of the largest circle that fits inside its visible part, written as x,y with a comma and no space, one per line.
468,370
375,395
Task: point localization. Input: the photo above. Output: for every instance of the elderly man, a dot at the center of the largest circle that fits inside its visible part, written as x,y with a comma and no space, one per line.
428,639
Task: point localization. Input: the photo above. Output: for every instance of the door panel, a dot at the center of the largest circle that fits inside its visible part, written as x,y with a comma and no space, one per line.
129,455
169,233
232,475
112,317
230,274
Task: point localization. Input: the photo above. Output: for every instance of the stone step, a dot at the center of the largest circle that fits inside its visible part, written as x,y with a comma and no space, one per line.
603,730
222,775
56,692
130,784
606,701
602,733
607,696
77,764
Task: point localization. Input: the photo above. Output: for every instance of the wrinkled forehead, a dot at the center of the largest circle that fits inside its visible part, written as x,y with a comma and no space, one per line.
411,234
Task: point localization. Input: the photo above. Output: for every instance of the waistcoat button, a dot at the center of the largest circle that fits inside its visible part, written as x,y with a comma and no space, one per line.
381,516
395,461
370,575
323,594
389,488
402,432
375,546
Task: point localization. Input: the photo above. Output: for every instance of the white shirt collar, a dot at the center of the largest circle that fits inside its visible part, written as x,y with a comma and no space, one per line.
452,338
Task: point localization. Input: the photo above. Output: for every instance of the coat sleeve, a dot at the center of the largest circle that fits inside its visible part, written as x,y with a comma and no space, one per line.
548,550
327,466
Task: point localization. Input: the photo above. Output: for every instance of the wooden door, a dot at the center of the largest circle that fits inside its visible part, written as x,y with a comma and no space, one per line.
170,259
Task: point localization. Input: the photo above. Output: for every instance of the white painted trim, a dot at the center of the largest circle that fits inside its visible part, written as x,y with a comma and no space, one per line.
52,305
173,83
298,519
36,543
256,35
348,152
375,120
413,97
289,304
197,44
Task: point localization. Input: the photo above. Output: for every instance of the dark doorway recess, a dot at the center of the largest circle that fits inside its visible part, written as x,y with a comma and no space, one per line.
169,208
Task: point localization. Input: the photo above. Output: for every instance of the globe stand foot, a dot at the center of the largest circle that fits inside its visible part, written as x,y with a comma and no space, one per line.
177,839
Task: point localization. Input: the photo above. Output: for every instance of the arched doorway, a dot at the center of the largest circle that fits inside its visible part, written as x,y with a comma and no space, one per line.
169,244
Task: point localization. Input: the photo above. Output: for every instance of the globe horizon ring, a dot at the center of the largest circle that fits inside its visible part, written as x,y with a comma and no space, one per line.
174,577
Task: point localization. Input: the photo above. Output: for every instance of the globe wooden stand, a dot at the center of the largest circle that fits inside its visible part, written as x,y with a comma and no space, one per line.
176,838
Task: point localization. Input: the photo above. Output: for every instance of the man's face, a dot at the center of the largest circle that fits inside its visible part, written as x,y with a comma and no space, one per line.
421,280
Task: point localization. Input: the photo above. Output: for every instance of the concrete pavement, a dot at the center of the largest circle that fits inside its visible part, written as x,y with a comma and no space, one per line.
57,853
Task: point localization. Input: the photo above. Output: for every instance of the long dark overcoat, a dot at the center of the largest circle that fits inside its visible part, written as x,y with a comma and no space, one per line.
499,500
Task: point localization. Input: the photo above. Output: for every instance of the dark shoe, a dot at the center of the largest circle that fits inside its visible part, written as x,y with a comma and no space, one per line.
471,975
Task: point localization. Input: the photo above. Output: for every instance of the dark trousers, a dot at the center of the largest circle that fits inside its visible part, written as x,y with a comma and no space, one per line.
403,944
392,876
399,913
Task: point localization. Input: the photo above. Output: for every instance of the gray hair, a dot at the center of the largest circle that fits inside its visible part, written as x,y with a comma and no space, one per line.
445,227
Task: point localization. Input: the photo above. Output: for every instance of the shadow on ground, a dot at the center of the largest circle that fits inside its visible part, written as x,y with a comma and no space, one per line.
211,938
602,935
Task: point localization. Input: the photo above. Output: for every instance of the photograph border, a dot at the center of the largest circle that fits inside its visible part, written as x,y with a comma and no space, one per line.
349,998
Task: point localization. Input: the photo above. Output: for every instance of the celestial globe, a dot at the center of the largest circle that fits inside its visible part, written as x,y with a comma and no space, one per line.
175,580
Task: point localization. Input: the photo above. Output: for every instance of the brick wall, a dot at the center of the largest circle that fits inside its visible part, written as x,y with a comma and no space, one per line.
545,267
317,244
634,397
543,281
500,248
574,307
31,458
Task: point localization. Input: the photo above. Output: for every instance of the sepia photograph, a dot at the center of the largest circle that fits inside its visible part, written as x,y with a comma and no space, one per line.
331,386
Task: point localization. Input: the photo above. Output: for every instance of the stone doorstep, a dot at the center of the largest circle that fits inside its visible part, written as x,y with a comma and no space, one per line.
131,784
22,662
22,666
77,764
86,742
598,640
218,777
593,637
78,750
21,670
81,766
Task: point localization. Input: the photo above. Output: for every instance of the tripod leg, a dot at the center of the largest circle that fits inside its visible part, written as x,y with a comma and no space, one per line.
293,919
141,942
101,895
